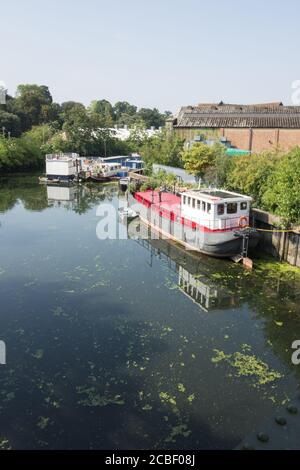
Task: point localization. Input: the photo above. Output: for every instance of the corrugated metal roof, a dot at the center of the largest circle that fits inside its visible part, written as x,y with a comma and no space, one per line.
273,115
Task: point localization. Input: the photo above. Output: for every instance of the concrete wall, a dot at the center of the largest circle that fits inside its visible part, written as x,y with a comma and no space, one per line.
284,246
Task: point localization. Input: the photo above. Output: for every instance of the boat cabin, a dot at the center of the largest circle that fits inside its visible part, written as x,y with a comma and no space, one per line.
107,169
62,165
216,209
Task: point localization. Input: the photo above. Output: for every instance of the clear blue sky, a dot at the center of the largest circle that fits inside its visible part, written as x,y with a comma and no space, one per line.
163,53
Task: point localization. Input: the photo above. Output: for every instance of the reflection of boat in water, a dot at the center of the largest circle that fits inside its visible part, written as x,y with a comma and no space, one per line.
61,193
193,270
126,213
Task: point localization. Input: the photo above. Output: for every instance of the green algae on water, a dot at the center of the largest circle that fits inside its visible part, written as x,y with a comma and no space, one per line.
248,365
43,422
180,430
4,444
93,398
38,354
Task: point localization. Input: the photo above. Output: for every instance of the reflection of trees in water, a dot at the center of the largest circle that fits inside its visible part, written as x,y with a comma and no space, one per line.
34,196
24,189
87,196
275,298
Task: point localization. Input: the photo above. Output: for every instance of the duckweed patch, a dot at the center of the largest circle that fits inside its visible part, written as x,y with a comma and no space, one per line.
180,430
43,422
38,354
248,365
167,398
4,444
275,268
94,398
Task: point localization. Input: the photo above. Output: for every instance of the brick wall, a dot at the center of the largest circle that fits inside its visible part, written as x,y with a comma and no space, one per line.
257,140
262,139
239,138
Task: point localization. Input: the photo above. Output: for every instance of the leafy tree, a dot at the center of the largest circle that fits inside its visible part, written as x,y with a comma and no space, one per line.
282,188
32,104
40,135
68,106
200,158
129,120
218,174
151,117
105,110
249,173
19,153
162,148
10,122
123,108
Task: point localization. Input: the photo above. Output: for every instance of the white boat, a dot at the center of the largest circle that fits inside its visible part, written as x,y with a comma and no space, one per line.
62,167
211,221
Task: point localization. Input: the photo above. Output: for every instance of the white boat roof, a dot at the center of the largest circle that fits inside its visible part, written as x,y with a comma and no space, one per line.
216,196
61,157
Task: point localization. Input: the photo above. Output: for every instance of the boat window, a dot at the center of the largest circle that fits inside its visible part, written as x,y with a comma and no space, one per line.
244,206
193,203
232,208
189,201
208,208
198,205
184,199
203,206
221,209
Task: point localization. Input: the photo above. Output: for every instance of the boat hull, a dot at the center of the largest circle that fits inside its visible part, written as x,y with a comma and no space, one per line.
99,179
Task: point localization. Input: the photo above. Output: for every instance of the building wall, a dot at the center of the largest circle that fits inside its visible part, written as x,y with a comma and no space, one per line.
256,140
239,138
191,133
259,140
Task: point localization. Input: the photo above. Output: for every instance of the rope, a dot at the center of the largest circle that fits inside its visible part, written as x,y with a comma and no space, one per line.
275,230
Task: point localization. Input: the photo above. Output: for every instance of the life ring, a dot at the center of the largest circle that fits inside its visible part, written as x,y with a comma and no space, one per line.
243,222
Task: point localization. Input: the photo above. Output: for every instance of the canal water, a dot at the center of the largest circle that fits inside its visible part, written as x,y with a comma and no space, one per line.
131,343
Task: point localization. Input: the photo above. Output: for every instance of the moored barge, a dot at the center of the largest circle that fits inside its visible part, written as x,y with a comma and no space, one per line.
210,221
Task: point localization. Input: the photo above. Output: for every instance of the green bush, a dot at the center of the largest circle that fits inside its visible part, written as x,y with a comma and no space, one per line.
282,189
19,153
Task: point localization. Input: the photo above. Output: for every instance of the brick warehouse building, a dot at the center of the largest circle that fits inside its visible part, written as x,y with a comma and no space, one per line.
249,127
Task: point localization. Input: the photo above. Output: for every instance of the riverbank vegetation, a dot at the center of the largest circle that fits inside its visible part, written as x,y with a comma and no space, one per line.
272,177
33,125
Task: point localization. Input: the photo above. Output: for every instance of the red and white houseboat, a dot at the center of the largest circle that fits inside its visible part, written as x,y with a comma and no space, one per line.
207,220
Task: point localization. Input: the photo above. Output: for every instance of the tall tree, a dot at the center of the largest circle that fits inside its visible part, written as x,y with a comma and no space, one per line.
105,110
124,108
151,117
9,122
32,104
198,159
